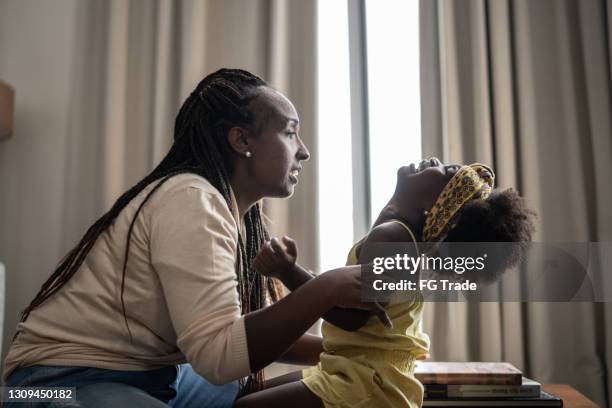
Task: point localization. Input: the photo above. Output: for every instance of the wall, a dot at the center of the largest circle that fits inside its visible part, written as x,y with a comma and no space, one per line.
36,46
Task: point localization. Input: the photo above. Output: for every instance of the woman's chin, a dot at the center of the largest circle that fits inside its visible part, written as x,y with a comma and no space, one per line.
284,191
288,192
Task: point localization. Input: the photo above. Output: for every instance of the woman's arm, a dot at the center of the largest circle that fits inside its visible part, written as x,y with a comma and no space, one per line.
346,319
272,330
192,245
276,261
305,351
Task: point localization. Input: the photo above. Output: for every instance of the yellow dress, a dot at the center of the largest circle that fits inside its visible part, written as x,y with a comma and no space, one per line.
373,366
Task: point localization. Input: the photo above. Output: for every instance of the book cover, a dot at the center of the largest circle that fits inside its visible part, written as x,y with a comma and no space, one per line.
544,400
528,389
438,372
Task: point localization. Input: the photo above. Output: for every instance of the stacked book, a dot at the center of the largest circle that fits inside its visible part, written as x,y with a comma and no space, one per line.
480,385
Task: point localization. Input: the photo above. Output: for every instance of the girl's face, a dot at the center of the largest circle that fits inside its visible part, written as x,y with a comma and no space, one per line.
418,187
276,148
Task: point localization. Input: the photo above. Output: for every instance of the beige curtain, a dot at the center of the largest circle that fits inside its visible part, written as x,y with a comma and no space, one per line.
526,85
98,86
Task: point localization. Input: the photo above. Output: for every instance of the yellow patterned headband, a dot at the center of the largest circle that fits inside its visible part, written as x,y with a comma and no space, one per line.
463,187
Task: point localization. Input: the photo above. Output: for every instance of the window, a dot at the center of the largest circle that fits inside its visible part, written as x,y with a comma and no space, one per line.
334,144
392,33
369,114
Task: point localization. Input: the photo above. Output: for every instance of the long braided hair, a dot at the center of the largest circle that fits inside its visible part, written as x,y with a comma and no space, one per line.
221,100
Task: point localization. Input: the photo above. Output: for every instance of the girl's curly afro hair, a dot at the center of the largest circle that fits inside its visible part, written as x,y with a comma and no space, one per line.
502,217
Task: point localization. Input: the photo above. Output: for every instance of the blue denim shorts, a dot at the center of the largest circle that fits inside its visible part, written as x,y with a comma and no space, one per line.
173,386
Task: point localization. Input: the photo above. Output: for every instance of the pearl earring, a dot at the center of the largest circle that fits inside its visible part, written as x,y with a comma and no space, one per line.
248,154
425,213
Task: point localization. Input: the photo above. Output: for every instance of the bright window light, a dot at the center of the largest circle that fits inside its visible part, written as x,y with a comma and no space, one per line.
334,142
392,39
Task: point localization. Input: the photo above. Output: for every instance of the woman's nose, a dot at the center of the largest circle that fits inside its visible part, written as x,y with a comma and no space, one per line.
302,153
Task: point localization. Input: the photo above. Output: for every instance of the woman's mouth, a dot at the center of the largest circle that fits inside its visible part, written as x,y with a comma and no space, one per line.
293,176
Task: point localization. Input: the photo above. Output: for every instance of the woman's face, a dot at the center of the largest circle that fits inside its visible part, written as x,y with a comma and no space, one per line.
419,186
276,148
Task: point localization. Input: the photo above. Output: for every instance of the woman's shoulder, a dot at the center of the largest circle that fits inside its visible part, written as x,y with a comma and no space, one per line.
186,190
185,181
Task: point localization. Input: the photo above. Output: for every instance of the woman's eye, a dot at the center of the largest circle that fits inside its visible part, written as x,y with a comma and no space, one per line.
291,134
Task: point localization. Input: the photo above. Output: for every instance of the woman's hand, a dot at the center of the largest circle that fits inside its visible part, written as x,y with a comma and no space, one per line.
271,330
347,291
275,259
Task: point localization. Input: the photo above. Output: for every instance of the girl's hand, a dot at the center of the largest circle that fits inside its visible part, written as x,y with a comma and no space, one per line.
275,259
347,291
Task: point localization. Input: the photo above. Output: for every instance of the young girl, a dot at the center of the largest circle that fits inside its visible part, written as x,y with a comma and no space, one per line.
366,364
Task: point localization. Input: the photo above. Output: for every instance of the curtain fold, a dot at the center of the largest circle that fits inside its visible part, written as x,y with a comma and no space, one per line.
526,86
293,71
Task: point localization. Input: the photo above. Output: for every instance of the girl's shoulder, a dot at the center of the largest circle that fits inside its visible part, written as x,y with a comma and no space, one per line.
390,231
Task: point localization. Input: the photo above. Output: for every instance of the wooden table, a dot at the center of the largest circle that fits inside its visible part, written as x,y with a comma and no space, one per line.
571,398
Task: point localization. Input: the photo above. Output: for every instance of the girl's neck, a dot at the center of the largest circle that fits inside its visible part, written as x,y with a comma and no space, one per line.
391,212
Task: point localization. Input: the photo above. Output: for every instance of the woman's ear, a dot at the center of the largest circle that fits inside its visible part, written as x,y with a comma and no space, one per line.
238,138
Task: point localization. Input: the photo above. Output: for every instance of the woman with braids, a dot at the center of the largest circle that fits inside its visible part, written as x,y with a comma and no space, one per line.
165,277
364,363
